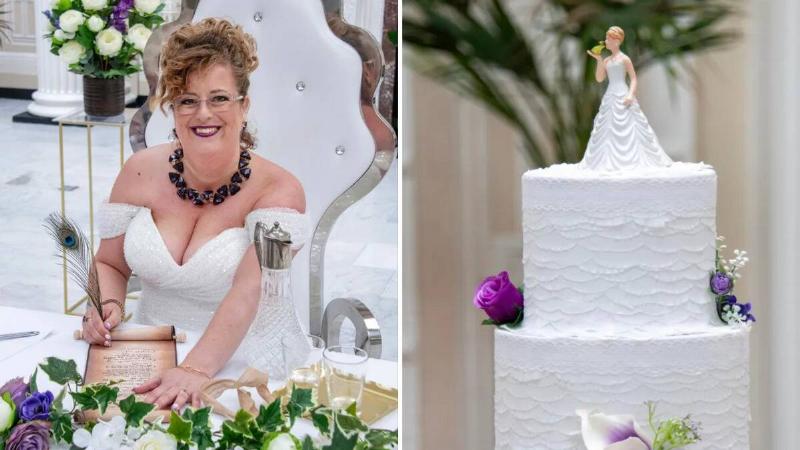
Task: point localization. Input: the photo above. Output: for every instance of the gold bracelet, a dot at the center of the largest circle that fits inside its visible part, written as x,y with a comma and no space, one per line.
193,370
116,302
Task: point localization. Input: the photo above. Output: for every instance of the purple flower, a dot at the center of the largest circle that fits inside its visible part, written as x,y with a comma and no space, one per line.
37,406
17,389
721,283
29,436
499,298
603,432
120,13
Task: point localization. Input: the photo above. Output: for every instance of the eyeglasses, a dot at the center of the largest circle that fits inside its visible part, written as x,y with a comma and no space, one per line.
189,104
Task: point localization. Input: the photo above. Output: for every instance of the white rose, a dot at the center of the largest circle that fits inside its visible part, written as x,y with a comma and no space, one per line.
71,20
138,36
6,415
146,6
156,440
108,42
282,442
62,36
94,5
95,23
71,52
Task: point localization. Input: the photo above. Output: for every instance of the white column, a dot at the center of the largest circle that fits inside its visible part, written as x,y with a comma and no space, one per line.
58,91
776,216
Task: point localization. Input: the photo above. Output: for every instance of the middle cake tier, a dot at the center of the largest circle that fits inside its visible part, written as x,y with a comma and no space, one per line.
627,253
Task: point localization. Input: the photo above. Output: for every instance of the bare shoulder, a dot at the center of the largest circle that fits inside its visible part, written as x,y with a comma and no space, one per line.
137,175
280,188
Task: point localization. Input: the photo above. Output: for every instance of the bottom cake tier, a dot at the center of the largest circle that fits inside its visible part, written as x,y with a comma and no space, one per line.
540,381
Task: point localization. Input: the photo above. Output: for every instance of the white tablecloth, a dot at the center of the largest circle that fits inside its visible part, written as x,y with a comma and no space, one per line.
57,341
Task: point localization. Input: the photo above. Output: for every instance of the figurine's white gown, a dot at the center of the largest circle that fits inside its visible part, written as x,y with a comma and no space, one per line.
187,295
621,137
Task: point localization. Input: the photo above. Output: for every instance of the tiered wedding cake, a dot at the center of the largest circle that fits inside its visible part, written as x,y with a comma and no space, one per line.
617,255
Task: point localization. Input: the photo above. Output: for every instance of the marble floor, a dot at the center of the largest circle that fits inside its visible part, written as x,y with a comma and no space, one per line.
361,257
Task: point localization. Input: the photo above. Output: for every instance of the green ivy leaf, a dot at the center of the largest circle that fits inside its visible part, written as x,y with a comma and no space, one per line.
61,425
341,441
349,423
85,400
61,371
299,403
381,439
270,417
134,411
489,322
103,395
231,435
58,402
32,386
180,428
308,444
201,427
321,417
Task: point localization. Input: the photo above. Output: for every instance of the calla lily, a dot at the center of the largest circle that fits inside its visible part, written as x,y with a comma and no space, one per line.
607,432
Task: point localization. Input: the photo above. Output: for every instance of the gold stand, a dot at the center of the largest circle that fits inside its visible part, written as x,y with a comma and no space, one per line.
79,118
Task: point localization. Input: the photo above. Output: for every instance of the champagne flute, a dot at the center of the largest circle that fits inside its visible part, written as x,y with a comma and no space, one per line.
345,368
304,374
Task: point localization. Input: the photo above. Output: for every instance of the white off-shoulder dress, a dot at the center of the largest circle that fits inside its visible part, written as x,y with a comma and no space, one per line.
187,295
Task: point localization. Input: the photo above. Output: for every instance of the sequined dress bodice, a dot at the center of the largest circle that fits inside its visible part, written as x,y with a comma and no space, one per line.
186,295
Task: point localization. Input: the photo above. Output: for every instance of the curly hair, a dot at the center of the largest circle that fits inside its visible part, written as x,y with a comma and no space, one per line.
196,47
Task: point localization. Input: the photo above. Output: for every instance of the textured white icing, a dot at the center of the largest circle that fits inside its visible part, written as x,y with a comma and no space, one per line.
621,138
618,253
541,380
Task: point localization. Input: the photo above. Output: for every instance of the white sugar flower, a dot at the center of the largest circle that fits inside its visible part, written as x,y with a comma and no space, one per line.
602,432
71,20
138,36
71,52
108,42
146,6
94,5
104,435
95,23
156,440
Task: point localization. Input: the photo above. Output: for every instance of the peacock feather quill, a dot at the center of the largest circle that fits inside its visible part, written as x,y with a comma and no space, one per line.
79,256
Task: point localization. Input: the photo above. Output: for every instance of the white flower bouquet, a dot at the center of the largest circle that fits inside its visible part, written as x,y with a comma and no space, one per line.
102,38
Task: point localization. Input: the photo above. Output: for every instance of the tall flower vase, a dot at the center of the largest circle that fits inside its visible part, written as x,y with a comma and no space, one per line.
103,97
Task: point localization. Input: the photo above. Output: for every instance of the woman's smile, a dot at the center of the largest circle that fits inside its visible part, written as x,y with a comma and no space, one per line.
205,131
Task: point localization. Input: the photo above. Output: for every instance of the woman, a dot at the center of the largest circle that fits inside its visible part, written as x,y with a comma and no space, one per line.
621,138
181,215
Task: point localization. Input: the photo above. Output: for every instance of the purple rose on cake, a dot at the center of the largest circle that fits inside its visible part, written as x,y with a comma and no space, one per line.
721,283
499,298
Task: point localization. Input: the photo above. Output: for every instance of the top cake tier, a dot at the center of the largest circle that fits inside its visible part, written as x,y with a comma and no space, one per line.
619,253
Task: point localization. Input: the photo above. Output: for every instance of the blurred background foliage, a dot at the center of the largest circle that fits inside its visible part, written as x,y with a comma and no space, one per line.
532,70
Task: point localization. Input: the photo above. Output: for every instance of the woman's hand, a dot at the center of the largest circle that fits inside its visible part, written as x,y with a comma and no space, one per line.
97,330
628,100
177,387
597,57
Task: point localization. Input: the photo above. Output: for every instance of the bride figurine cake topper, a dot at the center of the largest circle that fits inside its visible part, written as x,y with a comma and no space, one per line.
621,138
